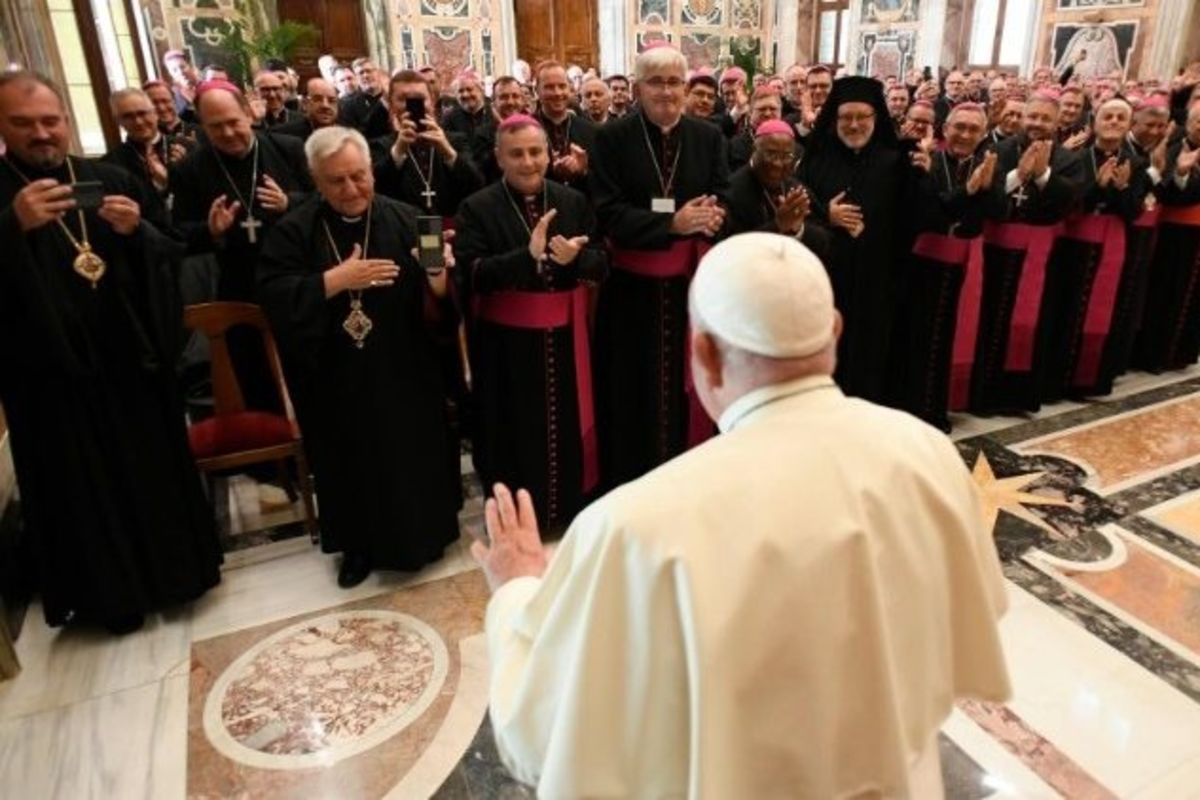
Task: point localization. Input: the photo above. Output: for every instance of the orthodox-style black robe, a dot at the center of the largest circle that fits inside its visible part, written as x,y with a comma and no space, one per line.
644,411
948,222
112,501
196,183
1170,331
366,112
373,418
863,270
1010,355
528,429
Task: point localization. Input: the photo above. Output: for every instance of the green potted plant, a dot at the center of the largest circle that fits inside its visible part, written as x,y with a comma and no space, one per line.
252,39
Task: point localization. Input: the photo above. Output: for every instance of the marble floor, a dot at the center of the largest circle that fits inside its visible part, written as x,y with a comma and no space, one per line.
279,684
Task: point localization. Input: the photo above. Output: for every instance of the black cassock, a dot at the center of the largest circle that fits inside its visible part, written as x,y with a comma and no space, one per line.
448,185
863,270
373,418
926,332
112,501
1008,374
1170,331
752,208
526,395
1085,278
131,157
199,180
576,130
643,411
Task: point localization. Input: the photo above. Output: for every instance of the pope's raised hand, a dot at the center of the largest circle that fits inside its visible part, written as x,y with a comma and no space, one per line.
515,548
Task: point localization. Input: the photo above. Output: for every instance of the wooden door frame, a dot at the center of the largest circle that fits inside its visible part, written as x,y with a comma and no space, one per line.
93,56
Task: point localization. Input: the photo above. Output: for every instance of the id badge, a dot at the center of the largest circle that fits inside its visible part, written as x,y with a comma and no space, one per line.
662,205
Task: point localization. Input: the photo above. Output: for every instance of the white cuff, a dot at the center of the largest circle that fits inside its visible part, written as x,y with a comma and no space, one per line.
1155,175
508,601
1043,179
1011,182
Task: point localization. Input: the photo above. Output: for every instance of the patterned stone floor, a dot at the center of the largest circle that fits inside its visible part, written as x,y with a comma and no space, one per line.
278,684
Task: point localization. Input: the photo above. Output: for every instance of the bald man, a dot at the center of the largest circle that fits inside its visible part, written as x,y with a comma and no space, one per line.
320,110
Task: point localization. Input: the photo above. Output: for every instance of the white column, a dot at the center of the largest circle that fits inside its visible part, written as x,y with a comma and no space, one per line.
1170,34
506,51
930,34
614,42
852,25
787,17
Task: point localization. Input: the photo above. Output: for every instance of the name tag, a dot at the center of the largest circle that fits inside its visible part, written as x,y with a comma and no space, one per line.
662,205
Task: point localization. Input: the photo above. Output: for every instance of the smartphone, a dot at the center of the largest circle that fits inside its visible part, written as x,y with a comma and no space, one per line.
88,195
415,108
927,73
429,244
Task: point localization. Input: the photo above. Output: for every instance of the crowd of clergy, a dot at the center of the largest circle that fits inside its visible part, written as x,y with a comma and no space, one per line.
993,242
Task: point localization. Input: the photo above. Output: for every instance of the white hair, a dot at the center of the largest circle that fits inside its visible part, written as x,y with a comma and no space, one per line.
1116,101
658,59
121,94
326,142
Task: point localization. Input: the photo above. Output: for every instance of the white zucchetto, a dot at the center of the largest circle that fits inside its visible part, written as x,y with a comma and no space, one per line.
764,293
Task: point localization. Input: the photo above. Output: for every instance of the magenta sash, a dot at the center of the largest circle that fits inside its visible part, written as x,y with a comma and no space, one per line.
1036,241
1108,231
678,260
1148,218
1181,215
968,254
543,311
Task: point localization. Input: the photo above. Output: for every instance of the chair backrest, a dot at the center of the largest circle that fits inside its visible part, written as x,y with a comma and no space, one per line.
214,321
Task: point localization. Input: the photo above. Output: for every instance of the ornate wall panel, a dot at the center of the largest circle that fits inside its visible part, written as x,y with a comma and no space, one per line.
709,32
450,35
1117,34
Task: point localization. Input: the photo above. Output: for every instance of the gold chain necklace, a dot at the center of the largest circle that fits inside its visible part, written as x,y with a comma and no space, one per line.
357,324
87,264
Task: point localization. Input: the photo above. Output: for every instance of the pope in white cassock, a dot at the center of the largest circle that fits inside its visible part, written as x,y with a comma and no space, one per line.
788,610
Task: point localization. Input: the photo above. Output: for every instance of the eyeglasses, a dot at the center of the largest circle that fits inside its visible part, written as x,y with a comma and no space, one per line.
658,83
777,157
855,119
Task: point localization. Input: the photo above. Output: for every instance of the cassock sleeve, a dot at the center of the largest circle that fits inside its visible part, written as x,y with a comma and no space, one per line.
1169,191
291,294
293,150
190,214
485,269
1064,188
577,655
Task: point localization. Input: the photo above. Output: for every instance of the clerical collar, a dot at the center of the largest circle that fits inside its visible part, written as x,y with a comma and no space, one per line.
750,403
238,159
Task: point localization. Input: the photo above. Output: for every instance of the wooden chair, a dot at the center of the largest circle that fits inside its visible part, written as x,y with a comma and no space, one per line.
234,437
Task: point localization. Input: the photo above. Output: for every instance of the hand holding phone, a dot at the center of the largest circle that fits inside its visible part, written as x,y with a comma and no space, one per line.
89,195
430,244
415,108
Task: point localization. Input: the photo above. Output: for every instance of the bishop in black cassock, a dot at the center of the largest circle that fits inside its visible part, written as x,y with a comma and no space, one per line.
113,506
659,185
534,423
265,175
1170,334
1015,325
359,323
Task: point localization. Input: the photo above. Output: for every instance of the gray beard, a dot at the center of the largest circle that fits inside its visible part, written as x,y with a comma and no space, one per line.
47,162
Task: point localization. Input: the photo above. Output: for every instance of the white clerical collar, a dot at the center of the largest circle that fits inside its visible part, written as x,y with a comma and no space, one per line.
749,403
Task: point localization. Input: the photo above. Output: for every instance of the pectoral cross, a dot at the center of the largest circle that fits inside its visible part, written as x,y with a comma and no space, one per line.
251,226
1019,196
429,194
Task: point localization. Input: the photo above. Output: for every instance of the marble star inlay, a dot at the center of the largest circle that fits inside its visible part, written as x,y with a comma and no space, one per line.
1008,494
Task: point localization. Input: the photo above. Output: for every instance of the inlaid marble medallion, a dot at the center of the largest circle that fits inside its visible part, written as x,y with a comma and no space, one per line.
326,688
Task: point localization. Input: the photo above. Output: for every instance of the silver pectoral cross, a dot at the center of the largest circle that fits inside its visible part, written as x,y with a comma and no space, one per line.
429,194
1019,196
251,226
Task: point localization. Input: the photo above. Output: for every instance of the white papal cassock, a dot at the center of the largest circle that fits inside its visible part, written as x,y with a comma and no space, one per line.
788,610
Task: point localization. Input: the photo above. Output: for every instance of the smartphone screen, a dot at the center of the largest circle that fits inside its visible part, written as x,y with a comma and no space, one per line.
89,195
415,107
429,243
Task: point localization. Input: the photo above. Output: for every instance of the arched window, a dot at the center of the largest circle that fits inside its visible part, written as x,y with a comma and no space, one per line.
833,29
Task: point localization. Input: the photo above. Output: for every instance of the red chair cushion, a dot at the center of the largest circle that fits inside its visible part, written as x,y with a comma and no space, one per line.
233,433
